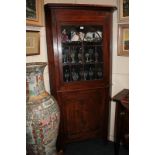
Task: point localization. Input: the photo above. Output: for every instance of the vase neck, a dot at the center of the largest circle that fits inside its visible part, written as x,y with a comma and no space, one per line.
35,82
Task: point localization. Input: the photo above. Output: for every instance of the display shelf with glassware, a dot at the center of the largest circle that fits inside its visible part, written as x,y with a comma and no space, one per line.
82,56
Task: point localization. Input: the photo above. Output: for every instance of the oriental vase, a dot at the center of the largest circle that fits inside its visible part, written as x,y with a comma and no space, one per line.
42,113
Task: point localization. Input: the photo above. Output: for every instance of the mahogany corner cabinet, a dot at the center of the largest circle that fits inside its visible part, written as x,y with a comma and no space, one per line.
79,61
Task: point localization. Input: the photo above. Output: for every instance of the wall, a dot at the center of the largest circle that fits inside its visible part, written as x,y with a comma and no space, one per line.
120,65
120,74
43,53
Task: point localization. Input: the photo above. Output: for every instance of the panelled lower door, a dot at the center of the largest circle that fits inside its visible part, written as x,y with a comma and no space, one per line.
84,114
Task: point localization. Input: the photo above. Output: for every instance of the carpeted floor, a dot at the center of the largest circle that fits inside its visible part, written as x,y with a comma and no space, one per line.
93,147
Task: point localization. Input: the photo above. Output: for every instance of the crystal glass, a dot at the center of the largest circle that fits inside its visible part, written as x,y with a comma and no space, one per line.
91,73
73,56
99,73
87,57
85,74
64,58
96,56
66,75
80,57
91,54
75,75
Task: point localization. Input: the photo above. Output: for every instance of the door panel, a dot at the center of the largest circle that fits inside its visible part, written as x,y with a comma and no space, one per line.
84,112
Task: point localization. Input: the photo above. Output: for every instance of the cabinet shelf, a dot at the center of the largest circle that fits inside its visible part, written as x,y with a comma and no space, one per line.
79,64
82,43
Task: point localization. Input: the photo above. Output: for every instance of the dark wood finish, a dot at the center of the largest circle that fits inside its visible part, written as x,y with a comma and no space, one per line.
121,119
83,114
84,105
60,153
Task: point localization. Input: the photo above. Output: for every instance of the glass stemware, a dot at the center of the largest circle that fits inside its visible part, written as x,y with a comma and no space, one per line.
75,75
64,58
91,73
96,56
87,57
99,73
80,57
91,54
73,56
85,74
67,75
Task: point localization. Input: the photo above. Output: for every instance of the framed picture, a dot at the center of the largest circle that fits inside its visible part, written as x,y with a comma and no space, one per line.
123,10
32,43
34,12
123,40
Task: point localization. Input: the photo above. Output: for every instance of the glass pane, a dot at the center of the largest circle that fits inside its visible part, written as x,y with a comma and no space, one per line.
82,52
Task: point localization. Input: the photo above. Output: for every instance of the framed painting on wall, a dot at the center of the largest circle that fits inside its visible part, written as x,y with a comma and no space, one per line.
34,12
123,10
32,43
123,40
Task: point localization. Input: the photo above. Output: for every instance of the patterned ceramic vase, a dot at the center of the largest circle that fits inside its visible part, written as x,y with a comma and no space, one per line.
42,113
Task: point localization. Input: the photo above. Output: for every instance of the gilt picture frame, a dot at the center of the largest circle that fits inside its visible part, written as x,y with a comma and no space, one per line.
123,10
123,40
34,12
32,43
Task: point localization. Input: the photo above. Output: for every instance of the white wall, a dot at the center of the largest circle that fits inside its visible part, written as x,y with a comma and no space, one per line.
120,65
43,54
120,74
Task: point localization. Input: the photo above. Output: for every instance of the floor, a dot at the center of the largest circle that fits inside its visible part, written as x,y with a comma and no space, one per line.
93,147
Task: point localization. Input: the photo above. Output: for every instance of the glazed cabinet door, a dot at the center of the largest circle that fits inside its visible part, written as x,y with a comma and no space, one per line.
81,52
81,46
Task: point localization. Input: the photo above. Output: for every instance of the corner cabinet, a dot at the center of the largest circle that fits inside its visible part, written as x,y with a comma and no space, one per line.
79,61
